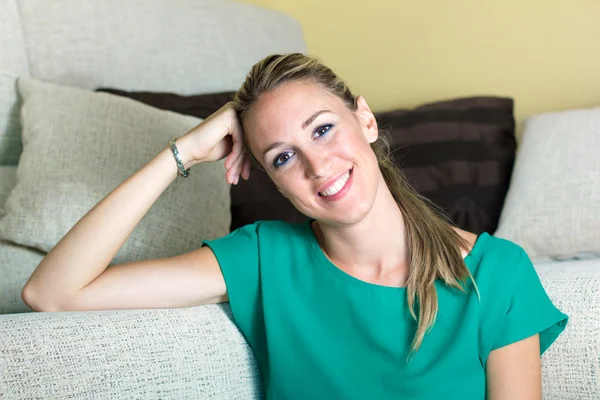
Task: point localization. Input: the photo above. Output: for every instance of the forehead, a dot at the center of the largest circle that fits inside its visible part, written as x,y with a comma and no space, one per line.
282,111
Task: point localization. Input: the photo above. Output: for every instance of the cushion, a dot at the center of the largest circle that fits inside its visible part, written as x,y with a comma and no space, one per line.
10,126
79,146
570,366
458,153
8,180
17,263
552,208
179,353
201,105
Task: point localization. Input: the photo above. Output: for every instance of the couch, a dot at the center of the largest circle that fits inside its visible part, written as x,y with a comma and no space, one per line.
187,47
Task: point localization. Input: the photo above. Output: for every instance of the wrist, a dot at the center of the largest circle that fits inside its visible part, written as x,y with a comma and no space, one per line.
184,153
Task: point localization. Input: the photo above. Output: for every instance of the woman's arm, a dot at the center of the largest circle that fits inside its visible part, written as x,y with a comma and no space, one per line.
513,372
74,274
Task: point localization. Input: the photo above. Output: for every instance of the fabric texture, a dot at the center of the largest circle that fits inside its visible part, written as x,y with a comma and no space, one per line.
553,206
8,180
17,263
13,63
320,333
571,367
10,126
79,146
12,45
191,47
186,353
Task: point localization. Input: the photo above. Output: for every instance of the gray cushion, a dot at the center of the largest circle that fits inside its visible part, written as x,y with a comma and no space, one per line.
8,180
10,126
16,265
79,146
552,208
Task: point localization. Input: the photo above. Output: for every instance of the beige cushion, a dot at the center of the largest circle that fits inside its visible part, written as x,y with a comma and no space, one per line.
8,180
186,353
552,208
79,146
570,367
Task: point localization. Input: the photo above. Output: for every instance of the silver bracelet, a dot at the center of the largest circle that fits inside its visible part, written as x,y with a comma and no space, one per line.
181,170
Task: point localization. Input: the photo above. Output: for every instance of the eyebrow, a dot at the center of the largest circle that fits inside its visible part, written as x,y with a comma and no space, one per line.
312,118
271,147
306,123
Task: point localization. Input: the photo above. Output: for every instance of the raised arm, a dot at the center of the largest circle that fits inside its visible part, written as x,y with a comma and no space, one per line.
74,274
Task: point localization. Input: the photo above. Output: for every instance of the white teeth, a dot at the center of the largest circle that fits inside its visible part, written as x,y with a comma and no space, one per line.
337,185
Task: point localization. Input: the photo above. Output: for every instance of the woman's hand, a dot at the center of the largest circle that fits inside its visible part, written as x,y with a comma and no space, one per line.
218,136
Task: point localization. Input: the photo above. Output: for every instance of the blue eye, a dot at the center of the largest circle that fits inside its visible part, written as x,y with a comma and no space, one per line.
282,159
323,130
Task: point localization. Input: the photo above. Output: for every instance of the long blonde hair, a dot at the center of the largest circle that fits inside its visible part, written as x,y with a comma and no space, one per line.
433,244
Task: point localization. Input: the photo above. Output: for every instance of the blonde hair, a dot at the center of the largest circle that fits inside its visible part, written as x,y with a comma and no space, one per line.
433,244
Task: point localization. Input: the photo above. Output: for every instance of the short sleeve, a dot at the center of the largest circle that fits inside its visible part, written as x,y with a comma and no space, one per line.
529,310
238,257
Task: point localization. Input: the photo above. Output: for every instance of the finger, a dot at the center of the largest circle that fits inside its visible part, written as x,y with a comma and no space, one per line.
232,158
233,170
235,159
246,167
238,140
236,168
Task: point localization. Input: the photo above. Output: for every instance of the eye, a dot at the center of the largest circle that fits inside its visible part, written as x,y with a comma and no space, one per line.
282,159
323,130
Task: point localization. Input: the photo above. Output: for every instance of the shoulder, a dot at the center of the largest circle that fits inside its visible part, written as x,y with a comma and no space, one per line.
498,265
501,251
489,246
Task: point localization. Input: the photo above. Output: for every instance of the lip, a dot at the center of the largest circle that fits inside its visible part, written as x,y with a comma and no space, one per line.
342,192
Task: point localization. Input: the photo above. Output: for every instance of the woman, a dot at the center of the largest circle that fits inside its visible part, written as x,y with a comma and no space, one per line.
376,296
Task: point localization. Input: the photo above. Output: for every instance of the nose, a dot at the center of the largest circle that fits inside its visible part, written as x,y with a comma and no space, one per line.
318,164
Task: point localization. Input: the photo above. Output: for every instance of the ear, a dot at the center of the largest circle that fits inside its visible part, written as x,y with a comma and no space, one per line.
367,119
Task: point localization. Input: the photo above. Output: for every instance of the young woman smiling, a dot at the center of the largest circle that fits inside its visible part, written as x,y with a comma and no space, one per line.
376,296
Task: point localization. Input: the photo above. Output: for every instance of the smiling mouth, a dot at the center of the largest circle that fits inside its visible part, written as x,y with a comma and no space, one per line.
337,185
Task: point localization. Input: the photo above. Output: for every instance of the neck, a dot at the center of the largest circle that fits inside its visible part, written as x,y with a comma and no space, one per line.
374,247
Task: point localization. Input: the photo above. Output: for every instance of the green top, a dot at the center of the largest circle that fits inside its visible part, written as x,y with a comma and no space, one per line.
319,333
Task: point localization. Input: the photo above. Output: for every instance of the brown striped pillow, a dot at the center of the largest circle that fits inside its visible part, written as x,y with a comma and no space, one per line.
459,154
199,105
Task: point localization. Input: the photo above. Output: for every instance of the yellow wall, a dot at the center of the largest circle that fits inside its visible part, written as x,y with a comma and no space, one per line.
399,53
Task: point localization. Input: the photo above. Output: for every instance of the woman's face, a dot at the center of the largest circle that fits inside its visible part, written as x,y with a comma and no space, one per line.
316,150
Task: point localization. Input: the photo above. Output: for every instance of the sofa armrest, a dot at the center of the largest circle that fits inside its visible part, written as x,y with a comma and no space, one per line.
187,353
571,366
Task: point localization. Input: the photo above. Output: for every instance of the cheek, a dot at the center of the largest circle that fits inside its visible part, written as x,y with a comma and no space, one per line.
354,146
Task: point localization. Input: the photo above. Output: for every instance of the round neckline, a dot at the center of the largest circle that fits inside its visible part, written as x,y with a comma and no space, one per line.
330,266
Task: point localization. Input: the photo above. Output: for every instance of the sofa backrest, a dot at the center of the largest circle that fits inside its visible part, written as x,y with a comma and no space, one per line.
185,46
